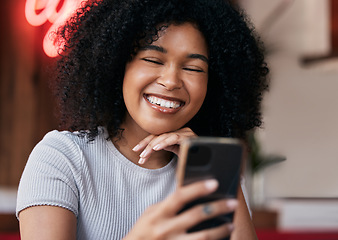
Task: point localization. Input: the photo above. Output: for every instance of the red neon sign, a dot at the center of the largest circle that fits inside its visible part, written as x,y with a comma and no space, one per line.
39,12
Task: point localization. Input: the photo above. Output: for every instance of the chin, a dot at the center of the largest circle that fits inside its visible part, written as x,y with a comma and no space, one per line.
158,130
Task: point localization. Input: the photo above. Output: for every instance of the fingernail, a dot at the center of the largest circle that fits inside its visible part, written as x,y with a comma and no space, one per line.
141,160
143,154
211,184
232,203
157,147
136,148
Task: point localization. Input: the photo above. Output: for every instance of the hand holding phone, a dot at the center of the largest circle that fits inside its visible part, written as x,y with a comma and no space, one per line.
204,158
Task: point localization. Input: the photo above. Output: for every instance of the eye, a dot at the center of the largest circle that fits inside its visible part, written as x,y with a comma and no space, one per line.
193,69
152,61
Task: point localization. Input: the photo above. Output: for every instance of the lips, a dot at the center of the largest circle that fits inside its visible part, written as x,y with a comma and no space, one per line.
164,103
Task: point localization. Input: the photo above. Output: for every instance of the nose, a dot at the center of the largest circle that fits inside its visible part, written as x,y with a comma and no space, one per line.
170,79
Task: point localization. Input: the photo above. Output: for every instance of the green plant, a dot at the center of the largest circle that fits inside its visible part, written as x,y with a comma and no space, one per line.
258,160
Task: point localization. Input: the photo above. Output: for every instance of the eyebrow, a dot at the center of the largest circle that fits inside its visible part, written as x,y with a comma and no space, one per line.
153,47
199,56
162,50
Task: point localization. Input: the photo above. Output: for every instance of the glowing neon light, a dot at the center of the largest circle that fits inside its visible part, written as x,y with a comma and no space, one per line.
48,12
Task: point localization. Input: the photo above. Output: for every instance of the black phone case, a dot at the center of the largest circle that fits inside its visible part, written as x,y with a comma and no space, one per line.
209,157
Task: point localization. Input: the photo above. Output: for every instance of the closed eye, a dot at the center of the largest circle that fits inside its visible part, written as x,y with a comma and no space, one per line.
193,70
151,61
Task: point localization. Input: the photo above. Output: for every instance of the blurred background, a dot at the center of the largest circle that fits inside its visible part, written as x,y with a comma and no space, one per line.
296,196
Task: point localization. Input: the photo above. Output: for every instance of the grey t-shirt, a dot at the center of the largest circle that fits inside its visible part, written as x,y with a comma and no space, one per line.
105,191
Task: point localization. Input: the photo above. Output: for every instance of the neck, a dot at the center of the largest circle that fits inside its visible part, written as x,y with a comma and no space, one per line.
130,137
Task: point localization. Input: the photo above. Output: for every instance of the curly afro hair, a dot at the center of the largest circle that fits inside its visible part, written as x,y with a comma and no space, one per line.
105,34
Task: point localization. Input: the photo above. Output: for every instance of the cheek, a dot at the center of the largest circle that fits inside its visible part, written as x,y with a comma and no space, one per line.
138,77
198,92
132,82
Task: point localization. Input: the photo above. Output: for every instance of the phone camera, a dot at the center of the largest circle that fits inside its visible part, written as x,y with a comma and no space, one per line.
200,156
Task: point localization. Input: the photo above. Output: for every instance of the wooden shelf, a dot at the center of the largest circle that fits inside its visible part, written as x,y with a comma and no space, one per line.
8,223
264,219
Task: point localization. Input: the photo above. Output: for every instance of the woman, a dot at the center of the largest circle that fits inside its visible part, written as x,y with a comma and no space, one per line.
136,77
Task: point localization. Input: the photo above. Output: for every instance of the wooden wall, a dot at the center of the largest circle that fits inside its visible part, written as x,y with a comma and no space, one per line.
26,106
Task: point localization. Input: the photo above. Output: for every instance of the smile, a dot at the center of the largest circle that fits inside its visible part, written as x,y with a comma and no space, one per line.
164,103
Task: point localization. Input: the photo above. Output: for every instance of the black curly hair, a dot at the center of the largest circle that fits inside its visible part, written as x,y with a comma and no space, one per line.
105,34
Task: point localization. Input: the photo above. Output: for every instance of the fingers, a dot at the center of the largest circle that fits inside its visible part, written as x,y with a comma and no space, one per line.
197,214
212,233
162,221
167,141
159,143
143,146
200,213
186,194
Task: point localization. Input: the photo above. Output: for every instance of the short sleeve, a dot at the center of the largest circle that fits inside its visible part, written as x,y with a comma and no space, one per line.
245,193
51,175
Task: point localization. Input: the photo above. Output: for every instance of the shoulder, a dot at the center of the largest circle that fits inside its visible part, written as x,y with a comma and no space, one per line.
63,138
55,163
67,151
61,152
56,145
66,141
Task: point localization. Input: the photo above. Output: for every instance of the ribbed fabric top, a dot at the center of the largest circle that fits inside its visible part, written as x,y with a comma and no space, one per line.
105,191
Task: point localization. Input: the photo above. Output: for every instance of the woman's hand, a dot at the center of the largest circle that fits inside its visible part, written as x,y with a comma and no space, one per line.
161,220
166,141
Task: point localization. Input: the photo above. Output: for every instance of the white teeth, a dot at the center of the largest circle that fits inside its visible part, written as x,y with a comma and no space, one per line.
163,102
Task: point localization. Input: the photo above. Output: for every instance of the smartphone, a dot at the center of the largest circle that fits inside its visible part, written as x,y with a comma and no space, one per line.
203,158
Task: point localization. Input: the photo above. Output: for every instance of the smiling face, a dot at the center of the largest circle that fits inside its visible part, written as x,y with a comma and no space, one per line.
166,82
